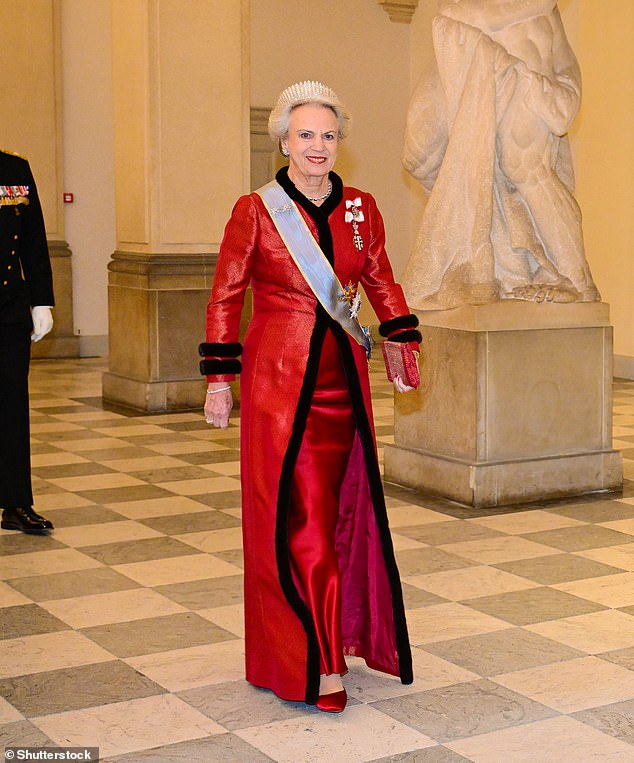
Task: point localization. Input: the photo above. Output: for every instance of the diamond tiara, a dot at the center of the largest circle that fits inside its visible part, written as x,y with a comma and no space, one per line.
306,91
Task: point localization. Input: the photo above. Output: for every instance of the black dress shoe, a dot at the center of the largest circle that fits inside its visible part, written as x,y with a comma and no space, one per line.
23,518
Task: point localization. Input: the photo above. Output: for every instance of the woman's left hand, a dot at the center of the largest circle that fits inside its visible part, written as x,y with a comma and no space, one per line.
218,404
399,386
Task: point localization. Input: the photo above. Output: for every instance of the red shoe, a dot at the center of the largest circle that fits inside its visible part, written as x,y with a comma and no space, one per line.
332,703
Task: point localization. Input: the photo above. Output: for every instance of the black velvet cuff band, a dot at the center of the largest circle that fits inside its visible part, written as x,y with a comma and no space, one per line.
394,324
219,349
413,335
210,367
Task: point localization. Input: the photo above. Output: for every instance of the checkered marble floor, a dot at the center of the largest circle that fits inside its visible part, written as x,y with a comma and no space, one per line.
123,629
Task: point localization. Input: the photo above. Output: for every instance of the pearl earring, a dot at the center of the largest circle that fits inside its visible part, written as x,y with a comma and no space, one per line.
285,151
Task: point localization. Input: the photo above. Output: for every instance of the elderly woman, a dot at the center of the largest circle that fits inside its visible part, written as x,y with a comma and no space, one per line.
320,576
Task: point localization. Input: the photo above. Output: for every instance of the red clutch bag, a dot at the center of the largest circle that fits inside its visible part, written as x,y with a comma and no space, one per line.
401,361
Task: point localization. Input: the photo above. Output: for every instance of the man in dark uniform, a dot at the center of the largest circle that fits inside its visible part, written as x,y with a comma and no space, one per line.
26,298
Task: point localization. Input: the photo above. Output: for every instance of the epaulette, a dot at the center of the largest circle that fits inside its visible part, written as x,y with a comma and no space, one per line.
13,153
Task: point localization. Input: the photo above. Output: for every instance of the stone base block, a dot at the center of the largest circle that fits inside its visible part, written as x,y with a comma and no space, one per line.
55,346
515,405
497,484
153,397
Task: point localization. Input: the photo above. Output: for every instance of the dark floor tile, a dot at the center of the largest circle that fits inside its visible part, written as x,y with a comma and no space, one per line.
70,435
119,425
230,499
120,494
232,442
220,748
140,440
143,550
211,457
83,515
239,705
616,720
43,448
82,469
23,734
421,561
580,538
232,556
187,426
203,594
172,474
438,533
57,691
57,410
598,511
100,404
156,634
491,654
190,523
118,454
463,710
415,597
21,543
66,585
28,620
558,568
41,487
622,657
535,605
427,755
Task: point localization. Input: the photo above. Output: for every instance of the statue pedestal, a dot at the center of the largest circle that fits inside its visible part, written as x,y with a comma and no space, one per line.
515,405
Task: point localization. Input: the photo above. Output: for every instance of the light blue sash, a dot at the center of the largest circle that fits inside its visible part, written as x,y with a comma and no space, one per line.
310,259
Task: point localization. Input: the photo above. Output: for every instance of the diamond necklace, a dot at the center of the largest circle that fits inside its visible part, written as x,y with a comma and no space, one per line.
324,197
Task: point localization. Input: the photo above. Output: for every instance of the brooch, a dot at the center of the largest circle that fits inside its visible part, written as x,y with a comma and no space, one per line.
355,216
351,295
281,210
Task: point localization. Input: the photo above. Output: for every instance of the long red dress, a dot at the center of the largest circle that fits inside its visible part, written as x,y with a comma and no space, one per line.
280,371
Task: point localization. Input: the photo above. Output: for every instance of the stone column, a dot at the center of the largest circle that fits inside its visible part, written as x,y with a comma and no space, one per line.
515,405
31,105
181,127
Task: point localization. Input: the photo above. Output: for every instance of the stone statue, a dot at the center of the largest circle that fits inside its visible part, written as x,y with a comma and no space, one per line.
486,137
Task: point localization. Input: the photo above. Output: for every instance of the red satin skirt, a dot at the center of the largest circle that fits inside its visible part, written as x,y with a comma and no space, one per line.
312,522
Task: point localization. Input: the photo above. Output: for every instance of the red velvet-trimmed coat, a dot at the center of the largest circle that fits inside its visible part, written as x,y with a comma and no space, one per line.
278,370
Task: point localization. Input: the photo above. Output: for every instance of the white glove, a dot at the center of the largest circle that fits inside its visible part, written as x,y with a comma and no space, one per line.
42,322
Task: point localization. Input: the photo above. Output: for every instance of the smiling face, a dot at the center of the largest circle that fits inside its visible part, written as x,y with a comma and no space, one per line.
312,143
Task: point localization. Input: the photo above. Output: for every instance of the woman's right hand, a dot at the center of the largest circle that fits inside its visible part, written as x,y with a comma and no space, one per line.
218,404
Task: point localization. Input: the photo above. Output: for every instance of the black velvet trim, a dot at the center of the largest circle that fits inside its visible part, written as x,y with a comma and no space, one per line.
323,322
411,335
331,203
378,501
394,324
283,508
209,367
219,349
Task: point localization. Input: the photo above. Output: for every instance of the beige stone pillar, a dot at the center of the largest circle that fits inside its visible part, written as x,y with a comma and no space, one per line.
31,108
181,130
515,405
